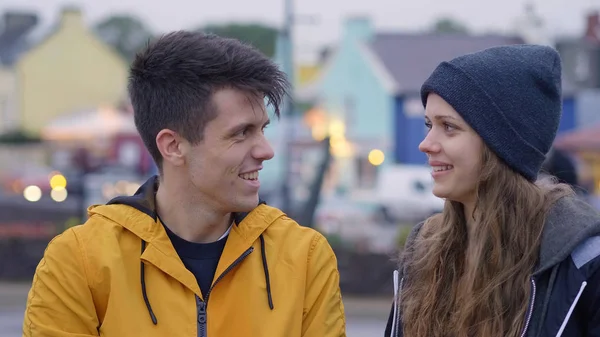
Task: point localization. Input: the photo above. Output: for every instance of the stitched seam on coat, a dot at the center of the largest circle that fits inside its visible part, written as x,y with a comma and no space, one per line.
33,286
332,259
84,260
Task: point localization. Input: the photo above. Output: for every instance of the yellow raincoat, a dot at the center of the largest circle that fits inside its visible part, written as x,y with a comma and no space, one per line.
118,275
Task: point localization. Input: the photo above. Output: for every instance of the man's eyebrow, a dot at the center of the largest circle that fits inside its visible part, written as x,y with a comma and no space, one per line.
244,125
238,127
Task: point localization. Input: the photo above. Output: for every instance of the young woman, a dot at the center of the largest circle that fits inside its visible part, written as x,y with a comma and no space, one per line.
511,255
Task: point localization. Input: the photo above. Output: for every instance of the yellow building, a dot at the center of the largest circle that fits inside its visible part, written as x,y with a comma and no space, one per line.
306,74
70,70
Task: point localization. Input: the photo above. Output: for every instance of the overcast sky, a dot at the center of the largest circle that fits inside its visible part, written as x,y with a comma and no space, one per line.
566,16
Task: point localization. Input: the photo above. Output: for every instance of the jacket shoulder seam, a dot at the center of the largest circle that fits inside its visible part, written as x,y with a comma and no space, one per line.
313,245
84,259
30,326
317,239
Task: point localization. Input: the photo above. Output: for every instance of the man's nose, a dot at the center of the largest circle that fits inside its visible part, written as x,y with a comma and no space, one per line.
263,150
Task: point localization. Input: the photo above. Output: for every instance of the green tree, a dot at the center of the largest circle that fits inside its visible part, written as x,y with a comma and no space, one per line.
17,137
449,26
126,33
263,37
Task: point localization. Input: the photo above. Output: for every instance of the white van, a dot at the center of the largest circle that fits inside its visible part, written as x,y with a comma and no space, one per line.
406,192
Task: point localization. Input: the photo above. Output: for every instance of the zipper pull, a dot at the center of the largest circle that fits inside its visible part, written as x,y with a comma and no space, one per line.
201,307
202,313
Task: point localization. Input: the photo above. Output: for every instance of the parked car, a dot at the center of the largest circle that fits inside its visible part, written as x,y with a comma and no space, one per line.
335,213
405,191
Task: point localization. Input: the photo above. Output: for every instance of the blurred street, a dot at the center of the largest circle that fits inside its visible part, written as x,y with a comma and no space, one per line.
16,208
365,317
347,158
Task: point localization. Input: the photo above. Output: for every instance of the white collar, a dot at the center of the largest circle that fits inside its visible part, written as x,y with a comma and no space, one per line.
226,232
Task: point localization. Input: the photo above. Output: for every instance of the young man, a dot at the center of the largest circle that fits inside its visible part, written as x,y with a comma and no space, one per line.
193,252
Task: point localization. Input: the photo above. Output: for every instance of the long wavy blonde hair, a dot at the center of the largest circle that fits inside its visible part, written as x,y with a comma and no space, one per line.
476,282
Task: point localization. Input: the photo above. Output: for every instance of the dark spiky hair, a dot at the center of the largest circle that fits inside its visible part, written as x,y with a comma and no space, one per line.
172,82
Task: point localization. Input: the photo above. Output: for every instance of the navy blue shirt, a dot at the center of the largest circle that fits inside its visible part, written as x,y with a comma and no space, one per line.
199,258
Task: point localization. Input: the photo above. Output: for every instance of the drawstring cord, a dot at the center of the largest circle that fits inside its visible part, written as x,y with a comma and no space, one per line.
263,254
144,294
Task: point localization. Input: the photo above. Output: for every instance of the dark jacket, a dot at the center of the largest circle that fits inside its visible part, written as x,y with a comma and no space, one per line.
565,285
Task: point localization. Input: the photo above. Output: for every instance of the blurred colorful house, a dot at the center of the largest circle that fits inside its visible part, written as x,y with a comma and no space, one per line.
7,94
581,70
369,89
68,70
15,28
581,67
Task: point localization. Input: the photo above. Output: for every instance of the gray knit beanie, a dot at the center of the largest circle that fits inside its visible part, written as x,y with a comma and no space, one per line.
510,95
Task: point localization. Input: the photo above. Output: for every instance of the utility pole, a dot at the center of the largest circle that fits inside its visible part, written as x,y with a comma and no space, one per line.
288,106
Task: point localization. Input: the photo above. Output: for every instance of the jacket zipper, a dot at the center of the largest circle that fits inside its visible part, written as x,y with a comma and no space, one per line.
396,333
530,313
202,306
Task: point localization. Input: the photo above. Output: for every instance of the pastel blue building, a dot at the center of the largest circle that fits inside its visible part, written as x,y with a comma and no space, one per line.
371,80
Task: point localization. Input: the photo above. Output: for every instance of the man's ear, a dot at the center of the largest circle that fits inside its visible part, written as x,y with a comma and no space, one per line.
169,144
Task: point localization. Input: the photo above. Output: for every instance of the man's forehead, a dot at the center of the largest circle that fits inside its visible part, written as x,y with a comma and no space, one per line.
239,109
233,99
239,95
255,116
